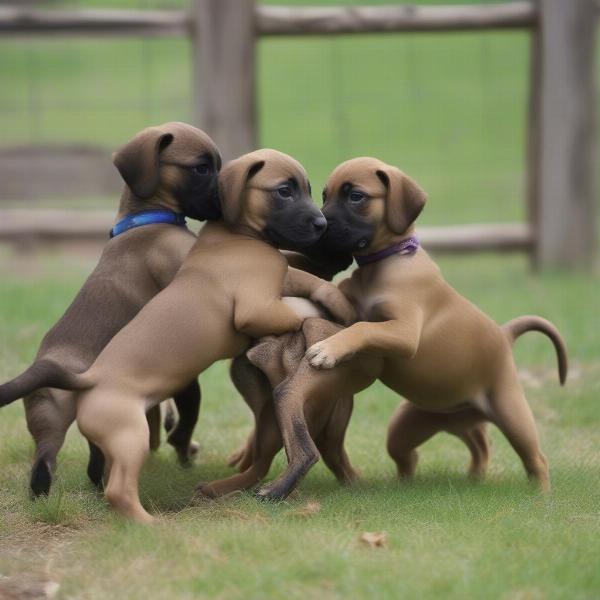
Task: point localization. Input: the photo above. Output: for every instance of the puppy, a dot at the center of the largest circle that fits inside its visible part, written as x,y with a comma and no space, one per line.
227,291
326,412
170,169
437,349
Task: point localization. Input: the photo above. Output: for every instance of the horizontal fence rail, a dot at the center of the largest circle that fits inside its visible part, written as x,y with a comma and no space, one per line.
274,20
19,225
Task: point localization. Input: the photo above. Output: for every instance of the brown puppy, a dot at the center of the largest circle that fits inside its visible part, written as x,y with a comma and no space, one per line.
438,350
327,412
173,166
227,291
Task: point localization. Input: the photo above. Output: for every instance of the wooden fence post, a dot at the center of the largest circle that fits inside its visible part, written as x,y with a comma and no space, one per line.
224,73
562,188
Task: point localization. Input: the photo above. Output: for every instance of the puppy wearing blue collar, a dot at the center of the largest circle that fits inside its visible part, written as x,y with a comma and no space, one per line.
228,290
170,172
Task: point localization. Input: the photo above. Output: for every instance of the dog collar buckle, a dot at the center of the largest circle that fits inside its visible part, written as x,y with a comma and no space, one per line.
406,247
147,217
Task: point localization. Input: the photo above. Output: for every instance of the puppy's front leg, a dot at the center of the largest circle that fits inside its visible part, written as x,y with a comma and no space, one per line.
261,318
300,283
395,337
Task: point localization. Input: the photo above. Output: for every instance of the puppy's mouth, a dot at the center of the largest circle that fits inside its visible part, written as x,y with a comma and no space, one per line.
205,207
295,240
344,240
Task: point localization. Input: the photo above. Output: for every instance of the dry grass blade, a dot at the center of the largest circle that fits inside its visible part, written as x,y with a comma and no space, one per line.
374,539
306,510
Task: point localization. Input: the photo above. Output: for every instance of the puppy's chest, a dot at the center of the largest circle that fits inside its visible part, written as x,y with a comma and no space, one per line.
370,301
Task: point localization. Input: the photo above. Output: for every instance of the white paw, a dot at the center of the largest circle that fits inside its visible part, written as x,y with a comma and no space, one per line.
320,356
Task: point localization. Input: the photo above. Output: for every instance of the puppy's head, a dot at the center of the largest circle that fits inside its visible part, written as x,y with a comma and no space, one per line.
268,193
368,204
172,166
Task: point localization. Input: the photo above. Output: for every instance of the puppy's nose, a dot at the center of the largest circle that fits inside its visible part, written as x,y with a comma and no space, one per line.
320,223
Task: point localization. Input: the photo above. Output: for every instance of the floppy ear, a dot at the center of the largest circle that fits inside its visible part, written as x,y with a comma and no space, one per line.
232,181
138,160
265,353
405,199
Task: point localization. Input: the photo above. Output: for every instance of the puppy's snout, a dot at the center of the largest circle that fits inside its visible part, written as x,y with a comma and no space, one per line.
320,224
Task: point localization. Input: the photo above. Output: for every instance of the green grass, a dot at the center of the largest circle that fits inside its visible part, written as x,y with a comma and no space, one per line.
446,537
451,111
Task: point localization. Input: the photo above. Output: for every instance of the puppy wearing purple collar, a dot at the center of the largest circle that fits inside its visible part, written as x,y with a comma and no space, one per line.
451,362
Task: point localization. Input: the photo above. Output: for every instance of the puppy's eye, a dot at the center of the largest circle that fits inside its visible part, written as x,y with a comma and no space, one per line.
356,197
200,169
285,192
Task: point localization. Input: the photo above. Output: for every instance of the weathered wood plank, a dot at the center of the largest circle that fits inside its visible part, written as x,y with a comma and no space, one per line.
29,173
565,112
15,20
17,225
310,20
272,20
224,73
503,237
57,225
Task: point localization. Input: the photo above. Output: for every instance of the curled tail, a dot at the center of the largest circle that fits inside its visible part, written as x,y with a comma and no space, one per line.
521,325
42,373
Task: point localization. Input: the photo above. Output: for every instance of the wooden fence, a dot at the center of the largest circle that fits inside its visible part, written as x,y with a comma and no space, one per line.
560,191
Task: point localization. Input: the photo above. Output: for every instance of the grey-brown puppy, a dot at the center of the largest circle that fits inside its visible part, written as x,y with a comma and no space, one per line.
437,349
227,291
267,364
173,166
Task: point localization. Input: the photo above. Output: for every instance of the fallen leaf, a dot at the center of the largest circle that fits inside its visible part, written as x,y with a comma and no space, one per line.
374,539
307,510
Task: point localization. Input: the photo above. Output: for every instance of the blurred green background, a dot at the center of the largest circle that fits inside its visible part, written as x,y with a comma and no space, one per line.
449,109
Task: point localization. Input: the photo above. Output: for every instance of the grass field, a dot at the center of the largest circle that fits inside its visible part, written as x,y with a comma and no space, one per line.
445,536
451,111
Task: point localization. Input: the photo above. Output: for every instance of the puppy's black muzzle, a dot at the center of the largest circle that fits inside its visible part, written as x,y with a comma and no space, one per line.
295,225
200,199
345,233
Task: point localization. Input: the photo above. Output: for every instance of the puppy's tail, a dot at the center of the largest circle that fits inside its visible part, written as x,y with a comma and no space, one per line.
521,325
42,373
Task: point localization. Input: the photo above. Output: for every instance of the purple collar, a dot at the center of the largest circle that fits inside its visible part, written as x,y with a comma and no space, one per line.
406,247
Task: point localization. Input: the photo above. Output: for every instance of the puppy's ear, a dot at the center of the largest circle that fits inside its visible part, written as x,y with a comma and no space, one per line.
405,199
138,160
232,181
265,353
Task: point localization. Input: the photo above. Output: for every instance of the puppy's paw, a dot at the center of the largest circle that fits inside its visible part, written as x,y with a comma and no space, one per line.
204,491
330,297
326,354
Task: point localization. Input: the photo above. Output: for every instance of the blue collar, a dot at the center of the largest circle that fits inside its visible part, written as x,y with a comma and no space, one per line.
147,217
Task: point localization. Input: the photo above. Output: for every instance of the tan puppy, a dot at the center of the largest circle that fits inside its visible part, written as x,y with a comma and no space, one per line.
173,166
438,350
327,412
228,290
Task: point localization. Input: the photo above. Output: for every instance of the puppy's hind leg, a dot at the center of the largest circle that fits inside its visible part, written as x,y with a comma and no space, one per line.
255,389
330,442
509,410
188,407
267,443
476,440
289,400
410,427
118,426
49,414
